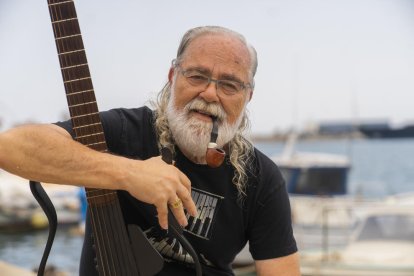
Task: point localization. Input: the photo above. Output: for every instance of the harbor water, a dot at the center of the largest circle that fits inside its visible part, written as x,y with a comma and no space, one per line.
379,168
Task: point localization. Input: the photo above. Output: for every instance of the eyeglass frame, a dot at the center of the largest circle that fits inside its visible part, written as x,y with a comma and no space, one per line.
209,79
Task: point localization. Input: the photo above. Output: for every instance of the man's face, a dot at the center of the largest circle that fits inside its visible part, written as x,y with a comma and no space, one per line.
190,108
220,57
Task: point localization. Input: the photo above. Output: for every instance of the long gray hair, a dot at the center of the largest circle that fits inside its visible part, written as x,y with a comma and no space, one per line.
240,150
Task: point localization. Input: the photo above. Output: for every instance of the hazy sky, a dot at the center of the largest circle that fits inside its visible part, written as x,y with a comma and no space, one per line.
318,60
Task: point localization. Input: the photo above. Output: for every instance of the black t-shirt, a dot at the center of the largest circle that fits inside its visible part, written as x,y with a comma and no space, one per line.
224,223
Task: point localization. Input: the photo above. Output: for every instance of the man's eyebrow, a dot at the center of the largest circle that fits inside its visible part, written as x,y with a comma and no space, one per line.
207,72
199,69
231,77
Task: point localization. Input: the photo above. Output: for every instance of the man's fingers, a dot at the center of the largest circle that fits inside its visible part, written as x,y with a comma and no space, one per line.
185,180
177,209
162,212
187,201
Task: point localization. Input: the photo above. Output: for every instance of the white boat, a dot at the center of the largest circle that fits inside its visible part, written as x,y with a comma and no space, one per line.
317,187
313,173
19,211
382,244
317,183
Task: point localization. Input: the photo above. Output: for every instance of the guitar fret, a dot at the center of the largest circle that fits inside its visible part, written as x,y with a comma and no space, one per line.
81,104
89,135
81,79
97,143
71,52
68,36
64,20
98,196
84,115
95,124
73,66
73,44
64,2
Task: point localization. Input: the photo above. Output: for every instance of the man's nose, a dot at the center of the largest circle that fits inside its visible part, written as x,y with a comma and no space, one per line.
210,93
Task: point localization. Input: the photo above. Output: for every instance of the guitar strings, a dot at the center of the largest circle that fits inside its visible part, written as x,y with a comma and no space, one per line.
56,14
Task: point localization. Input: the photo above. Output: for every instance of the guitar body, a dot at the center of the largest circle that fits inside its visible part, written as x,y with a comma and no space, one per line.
119,249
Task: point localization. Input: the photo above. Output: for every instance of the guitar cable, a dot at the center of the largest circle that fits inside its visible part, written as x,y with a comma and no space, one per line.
44,201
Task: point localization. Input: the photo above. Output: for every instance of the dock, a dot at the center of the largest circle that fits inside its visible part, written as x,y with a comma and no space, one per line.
7,269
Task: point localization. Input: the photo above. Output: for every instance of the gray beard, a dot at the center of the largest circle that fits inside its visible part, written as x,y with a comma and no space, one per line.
192,135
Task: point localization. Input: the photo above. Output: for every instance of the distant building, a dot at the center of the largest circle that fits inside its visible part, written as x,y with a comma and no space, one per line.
335,128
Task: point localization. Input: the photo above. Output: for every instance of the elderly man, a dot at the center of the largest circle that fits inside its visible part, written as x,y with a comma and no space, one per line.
243,199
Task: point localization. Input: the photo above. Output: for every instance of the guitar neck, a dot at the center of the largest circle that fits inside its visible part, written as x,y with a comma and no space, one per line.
79,90
77,80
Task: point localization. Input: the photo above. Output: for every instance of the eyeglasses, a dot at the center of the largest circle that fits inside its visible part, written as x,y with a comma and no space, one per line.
200,80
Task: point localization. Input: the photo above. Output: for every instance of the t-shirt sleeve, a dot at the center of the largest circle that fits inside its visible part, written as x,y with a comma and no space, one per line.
271,234
128,132
113,125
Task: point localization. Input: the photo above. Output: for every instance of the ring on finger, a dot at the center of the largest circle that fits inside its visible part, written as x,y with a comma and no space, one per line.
176,204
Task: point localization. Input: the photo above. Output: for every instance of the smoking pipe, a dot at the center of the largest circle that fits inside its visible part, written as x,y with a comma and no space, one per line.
214,156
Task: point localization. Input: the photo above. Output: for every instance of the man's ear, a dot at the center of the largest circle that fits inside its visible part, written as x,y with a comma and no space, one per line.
170,74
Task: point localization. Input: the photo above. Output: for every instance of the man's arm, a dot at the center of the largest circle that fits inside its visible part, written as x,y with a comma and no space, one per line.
283,266
47,153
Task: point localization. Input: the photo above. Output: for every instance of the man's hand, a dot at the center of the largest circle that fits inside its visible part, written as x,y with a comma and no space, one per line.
155,182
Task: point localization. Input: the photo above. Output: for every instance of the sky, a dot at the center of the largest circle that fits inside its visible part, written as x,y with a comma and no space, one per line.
319,60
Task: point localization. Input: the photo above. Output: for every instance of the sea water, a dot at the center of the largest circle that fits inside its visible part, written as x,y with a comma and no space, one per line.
379,168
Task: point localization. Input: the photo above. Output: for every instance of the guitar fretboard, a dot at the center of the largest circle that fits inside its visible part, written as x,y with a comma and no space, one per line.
77,80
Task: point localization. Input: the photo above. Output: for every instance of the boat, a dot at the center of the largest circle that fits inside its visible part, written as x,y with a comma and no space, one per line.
382,244
312,173
318,174
387,132
317,184
20,212
317,187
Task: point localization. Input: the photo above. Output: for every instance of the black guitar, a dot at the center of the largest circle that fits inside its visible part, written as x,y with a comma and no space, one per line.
120,249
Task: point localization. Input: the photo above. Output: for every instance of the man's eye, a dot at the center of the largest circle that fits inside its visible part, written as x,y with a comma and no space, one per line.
197,78
230,86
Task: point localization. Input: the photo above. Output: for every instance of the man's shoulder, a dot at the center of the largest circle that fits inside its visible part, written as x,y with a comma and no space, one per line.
127,116
264,162
138,112
265,171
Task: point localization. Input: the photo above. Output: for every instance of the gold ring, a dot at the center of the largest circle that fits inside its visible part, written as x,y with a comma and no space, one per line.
177,204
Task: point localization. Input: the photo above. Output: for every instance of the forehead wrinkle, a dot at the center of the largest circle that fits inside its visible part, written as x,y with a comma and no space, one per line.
220,49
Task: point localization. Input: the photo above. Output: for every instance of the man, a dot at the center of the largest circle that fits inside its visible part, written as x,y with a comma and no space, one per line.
244,199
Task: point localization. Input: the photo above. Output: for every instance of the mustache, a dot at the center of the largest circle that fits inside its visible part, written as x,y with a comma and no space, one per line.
212,109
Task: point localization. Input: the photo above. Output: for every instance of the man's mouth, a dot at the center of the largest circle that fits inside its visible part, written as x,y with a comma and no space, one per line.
204,114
